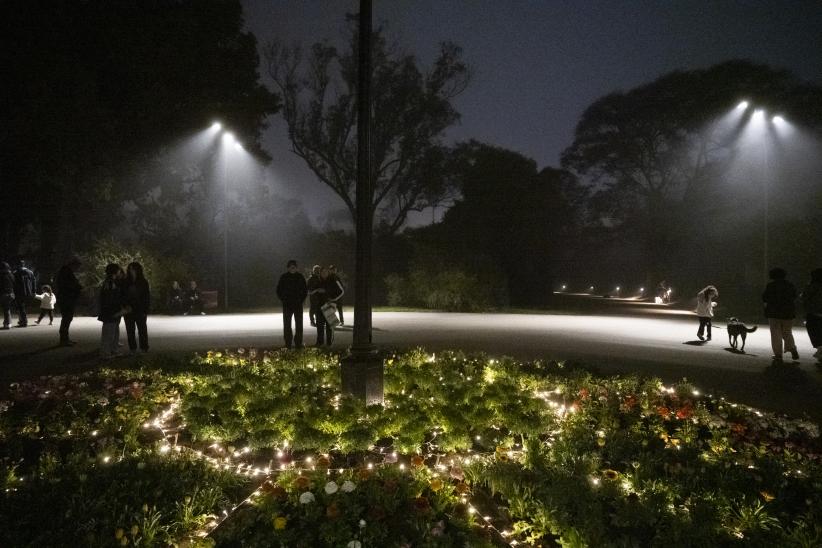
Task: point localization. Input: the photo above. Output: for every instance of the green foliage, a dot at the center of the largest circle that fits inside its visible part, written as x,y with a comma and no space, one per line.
453,290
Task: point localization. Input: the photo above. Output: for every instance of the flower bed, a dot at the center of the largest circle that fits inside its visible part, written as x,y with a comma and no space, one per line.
466,451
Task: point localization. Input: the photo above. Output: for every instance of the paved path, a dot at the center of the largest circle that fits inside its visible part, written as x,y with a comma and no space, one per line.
659,343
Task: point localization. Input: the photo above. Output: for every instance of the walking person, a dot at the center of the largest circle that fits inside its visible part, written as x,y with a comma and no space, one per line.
780,309
333,272
138,301
812,304
292,290
47,301
329,292
314,287
705,310
6,293
111,307
68,291
25,287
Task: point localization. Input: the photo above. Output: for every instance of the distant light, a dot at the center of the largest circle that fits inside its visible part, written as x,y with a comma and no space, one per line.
564,286
759,113
216,126
591,288
228,138
743,105
618,288
642,289
778,119
238,146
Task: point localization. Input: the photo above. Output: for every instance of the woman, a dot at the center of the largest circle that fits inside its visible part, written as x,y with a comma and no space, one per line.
812,303
330,291
138,299
780,309
705,310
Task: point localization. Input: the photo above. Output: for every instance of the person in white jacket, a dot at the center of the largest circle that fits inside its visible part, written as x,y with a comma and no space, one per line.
47,301
705,310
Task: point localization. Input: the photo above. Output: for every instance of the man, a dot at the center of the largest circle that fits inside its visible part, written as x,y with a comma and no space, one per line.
6,293
24,289
292,290
314,290
68,291
780,309
194,303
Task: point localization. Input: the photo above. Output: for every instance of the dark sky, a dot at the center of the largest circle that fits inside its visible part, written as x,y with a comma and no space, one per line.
538,64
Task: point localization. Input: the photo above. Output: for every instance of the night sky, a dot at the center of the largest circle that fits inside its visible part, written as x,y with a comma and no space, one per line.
538,64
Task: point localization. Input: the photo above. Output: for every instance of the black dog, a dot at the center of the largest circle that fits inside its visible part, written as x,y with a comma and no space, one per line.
737,329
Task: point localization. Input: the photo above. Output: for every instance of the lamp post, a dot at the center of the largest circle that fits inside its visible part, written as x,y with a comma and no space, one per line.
228,140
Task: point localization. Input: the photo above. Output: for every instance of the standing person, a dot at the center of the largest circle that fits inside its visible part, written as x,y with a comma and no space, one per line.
24,289
111,307
705,310
6,292
333,270
780,309
175,299
314,289
330,292
68,291
47,301
292,290
194,303
812,304
138,302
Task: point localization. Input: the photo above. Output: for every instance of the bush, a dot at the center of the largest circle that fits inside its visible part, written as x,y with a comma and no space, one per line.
452,290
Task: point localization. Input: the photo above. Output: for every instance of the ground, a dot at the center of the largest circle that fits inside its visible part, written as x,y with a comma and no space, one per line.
610,337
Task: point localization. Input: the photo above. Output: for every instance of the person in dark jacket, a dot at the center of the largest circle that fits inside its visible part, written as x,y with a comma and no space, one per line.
112,307
780,309
138,301
68,291
314,287
175,299
6,292
292,291
329,292
193,301
812,304
25,286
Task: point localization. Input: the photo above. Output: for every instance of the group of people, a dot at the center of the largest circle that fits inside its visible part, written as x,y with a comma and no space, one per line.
779,299
185,302
324,291
17,289
124,294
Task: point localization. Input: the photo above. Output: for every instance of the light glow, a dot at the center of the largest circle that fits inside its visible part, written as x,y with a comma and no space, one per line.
742,106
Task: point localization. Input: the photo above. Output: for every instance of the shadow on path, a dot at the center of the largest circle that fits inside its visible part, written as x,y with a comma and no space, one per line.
739,352
696,343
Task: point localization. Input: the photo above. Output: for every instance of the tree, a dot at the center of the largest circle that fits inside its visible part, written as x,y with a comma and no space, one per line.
411,110
654,154
93,89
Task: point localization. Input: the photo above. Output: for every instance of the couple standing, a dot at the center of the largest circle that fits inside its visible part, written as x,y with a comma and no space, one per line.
322,287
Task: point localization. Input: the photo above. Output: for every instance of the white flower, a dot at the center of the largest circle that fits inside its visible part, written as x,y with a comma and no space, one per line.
354,544
362,524
307,498
331,487
348,486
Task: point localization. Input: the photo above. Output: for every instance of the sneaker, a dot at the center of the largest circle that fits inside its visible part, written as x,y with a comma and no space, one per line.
708,338
36,322
794,353
700,337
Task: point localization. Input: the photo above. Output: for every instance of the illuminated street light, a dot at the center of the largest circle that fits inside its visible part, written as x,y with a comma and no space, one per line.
742,106
777,119
228,140
216,126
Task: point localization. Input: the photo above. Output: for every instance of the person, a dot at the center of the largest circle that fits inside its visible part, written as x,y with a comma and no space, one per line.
6,292
175,299
705,310
138,300
193,301
812,304
780,309
329,293
292,291
314,289
47,301
68,291
24,289
111,307
333,270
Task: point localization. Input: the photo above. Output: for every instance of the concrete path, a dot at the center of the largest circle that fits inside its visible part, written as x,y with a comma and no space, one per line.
644,340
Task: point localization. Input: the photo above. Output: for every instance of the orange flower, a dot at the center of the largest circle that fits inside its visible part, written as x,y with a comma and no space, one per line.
767,496
363,474
685,412
417,460
584,393
323,462
302,483
663,411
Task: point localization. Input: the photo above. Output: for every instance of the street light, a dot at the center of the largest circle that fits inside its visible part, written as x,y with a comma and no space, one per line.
228,140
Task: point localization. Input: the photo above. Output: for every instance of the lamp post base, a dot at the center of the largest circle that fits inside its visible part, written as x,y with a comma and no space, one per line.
362,375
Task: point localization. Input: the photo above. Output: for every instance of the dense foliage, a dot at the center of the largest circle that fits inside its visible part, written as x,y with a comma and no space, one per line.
465,450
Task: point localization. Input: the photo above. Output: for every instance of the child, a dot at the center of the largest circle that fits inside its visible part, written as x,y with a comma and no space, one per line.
47,301
705,310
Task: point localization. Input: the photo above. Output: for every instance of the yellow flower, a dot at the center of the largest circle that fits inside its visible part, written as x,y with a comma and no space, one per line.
118,534
134,530
767,496
436,484
279,523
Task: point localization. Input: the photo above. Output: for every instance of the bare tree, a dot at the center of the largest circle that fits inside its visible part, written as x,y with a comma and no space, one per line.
410,112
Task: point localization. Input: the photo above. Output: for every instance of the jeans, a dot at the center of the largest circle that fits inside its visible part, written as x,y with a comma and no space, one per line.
22,317
67,314
296,337
704,321
781,330
136,321
5,302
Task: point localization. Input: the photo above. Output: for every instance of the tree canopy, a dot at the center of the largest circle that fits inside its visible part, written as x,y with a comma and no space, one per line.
411,109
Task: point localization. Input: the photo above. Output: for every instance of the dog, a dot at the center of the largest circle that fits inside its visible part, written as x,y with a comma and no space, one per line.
737,329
